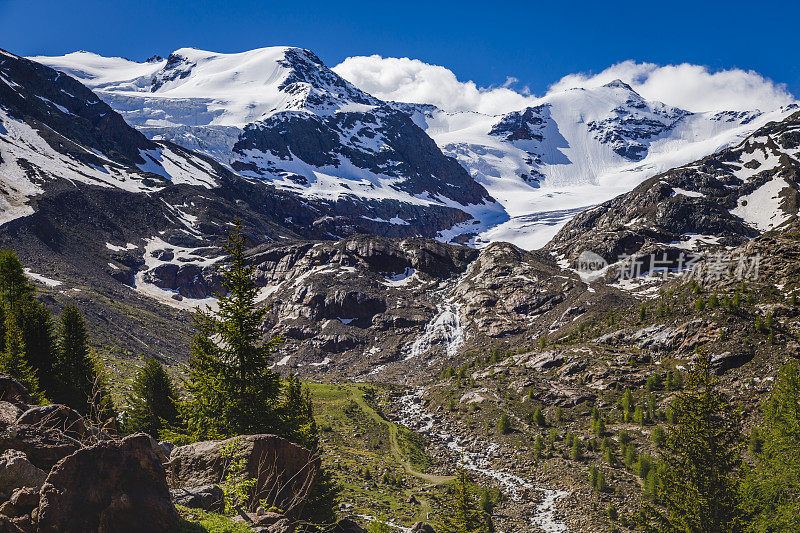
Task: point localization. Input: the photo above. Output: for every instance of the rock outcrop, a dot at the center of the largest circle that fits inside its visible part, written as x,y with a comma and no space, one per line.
284,472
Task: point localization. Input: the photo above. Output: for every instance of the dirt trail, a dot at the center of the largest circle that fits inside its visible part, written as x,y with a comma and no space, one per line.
397,452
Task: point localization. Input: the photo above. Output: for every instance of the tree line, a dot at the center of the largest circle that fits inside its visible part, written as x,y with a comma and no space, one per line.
52,360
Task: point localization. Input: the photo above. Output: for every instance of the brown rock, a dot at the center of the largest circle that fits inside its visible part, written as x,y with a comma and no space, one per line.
111,487
284,472
422,527
44,447
56,416
25,499
22,503
346,525
13,391
17,472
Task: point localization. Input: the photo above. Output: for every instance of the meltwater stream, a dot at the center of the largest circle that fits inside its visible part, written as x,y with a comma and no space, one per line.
413,416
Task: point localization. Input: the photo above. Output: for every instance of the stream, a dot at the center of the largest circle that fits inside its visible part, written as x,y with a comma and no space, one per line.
413,416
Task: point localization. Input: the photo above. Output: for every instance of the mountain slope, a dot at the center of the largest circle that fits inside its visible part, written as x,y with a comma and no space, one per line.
725,198
279,115
577,148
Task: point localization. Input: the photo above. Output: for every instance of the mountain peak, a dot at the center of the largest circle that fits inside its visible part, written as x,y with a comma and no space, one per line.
619,84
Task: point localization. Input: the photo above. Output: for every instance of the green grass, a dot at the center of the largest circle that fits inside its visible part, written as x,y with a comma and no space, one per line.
198,521
357,438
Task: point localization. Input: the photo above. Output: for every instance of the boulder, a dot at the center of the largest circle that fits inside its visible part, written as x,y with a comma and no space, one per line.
284,472
166,448
22,503
725,361
346,525
207,497
9,413
114,486
56,416
44,447
14,392
17,472
422,527
265,521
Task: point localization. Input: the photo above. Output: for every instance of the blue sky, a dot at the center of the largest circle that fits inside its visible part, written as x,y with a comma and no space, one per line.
486,42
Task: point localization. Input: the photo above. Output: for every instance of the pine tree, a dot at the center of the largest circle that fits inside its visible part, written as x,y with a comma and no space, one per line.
771,491
232,390
13,361
576,454
538,417
298,414
36,324
152,403
80,373
463,512
702,462
14,284
626,403
504,425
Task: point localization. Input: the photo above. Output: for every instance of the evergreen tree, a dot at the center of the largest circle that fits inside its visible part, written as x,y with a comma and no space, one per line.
504,425
232,390
771,491
36,325
152,403
84,386
463,512
14,284
702,462
298,414
576,454
13,361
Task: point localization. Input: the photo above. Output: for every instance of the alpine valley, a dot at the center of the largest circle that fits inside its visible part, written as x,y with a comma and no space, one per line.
454,287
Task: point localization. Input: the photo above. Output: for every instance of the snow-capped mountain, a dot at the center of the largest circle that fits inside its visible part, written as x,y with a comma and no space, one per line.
52,128
279,115
577,148
723,199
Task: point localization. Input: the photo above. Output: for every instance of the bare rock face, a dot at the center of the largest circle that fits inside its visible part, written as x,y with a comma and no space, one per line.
56,416
113,486
506,287
284,472
17,472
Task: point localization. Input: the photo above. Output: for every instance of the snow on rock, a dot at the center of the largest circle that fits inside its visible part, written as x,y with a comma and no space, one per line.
565,152
762,208
42,279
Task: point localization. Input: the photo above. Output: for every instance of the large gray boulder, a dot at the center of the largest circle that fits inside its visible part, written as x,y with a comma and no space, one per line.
207,497
17,472
111,487
284,472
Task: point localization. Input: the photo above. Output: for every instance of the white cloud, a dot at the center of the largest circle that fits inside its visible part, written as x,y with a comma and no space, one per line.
691,87
411,80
